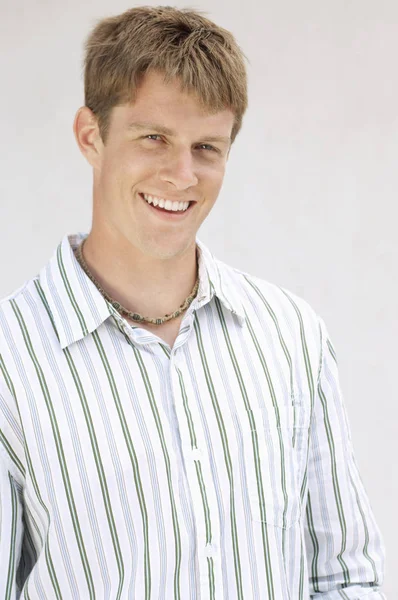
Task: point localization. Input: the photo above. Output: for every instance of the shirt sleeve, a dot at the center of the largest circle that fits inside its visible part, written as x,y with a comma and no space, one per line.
344,546
12,474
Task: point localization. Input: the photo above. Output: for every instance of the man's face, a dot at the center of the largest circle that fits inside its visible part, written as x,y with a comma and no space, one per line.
183,164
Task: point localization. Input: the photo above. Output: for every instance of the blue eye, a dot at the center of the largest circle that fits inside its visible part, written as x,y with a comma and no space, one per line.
211,147
206,146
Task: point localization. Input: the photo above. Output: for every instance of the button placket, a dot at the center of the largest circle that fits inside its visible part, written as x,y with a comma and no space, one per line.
199,481
189,455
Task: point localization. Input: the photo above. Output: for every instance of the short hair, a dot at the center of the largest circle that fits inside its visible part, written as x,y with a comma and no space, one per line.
180,43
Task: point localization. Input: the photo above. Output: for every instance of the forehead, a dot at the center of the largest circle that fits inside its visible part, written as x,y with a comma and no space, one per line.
167,104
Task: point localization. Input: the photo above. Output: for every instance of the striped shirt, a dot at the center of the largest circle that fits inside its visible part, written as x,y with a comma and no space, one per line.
222,468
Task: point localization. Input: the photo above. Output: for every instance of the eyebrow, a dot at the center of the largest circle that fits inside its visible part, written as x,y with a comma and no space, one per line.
166,131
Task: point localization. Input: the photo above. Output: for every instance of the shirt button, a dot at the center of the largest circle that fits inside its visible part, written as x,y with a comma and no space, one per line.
210,550
197,454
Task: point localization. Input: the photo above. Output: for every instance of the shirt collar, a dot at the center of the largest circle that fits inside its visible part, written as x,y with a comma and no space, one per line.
78,308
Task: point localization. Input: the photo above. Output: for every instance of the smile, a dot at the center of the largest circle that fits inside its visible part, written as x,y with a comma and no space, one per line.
166,208
166,204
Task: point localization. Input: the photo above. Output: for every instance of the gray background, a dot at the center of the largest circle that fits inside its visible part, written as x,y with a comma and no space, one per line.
309,198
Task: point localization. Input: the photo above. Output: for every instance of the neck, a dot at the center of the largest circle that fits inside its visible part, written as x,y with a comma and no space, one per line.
144,284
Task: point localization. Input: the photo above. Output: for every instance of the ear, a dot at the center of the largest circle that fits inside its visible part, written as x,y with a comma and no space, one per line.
85,128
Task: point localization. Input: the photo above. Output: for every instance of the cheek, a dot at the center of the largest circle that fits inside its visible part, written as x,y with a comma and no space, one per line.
123,176
120,162
215,182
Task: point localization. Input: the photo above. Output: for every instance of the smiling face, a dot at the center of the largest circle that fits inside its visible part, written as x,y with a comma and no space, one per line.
166,146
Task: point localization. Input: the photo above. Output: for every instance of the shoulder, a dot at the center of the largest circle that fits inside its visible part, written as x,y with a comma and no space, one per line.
13,306
259,293
18,293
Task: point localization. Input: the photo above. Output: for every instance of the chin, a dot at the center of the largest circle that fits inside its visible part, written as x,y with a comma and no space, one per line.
166,251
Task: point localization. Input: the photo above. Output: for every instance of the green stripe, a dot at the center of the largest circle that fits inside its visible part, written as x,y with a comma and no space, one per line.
331,350
315,544
165,350
13,456
187,410
39,290
301,582
70,293
210,568
204,501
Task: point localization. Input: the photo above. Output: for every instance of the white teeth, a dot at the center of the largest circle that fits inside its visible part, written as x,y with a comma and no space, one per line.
167,204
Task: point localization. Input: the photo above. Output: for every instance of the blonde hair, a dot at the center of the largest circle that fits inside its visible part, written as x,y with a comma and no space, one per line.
175,42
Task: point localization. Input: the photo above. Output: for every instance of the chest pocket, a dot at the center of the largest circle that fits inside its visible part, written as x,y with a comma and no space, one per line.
276,456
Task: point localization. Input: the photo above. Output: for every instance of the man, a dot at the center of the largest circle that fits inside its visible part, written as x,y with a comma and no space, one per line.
171,427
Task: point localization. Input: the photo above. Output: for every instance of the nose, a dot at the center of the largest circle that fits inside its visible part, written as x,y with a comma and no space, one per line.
179,169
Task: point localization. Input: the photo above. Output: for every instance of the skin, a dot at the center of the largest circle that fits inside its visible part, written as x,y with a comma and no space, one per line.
145,262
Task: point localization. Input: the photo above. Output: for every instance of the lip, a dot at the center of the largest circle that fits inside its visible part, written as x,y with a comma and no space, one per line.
170,215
